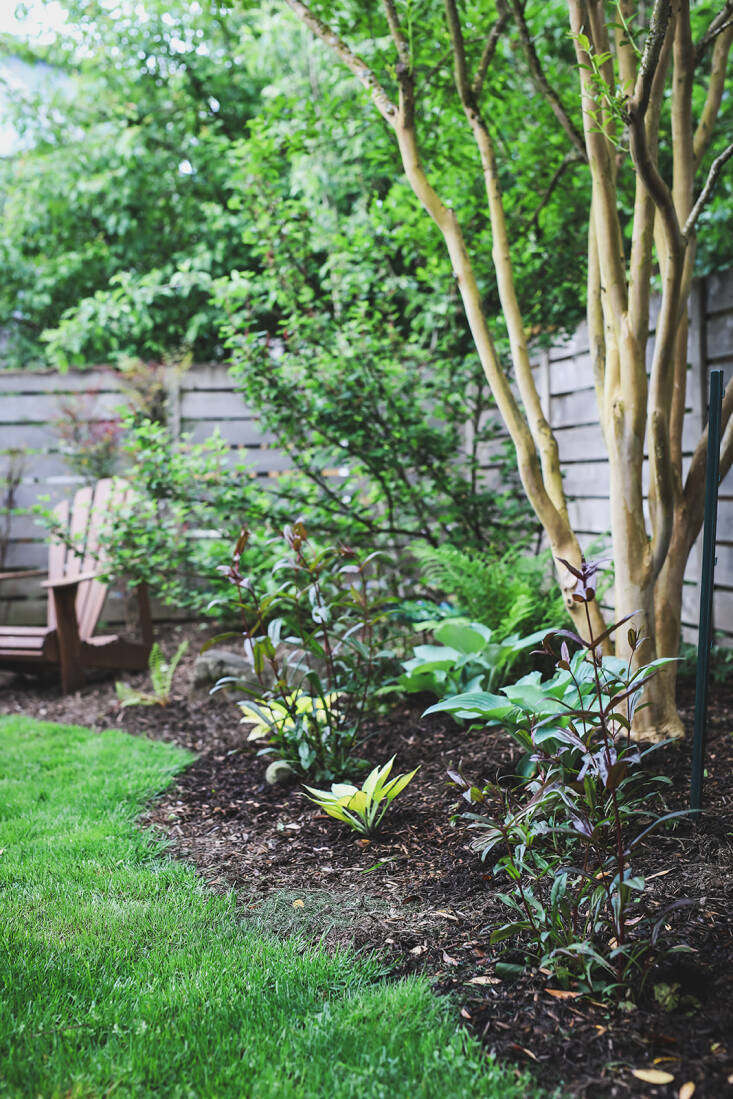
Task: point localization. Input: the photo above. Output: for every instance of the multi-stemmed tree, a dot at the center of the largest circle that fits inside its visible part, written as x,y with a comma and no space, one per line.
638,91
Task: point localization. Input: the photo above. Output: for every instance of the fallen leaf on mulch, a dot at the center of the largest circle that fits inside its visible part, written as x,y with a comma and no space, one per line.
562,993
484,981
523,1049
652,1075
686,1091
448,960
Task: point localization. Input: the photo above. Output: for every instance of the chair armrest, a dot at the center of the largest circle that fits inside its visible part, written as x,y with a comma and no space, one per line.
22,574
69,581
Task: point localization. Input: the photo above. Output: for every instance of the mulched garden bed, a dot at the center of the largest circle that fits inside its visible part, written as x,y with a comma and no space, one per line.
425,901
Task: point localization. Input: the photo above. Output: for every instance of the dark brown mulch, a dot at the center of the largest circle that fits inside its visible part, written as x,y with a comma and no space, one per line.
423,899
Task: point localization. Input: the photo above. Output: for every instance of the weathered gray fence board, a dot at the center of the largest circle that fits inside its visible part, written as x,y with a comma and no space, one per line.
48,381
218,404
574,409
38,408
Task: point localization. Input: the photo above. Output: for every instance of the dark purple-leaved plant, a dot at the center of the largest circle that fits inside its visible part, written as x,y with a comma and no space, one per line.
589,793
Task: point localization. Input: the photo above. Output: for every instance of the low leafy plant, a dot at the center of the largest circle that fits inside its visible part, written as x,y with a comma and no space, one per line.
299,718
314,634
582,917
505,590
161,678
469,657
362,808
720,662
532,710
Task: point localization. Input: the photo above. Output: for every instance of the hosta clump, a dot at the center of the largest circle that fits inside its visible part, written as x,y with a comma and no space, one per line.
315,637
362,808
566,844
468,656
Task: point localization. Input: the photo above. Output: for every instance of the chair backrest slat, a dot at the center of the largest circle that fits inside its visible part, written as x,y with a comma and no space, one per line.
57,559
92,593
83,520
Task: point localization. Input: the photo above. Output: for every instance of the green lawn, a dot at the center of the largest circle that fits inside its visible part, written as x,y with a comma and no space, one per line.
122,975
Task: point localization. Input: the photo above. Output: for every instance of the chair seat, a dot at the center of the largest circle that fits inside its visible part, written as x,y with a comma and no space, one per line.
27,643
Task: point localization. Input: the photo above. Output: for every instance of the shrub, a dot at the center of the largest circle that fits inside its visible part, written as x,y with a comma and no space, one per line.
173,532
315,636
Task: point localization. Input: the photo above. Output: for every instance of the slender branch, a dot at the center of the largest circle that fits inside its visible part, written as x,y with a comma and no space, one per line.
541,433
625,48
714,97
720,23
704,197
658,26
490,49
543,84
640,261
355,64
637,108
568,161
398,35
459,53
609,238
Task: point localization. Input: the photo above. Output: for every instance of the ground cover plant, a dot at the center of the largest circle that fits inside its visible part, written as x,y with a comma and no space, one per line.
416,890
123,972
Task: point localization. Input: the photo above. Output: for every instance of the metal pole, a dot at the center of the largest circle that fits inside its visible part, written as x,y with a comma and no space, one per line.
704,635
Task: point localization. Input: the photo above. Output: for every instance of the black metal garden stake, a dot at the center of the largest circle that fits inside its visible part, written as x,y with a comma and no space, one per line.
704,634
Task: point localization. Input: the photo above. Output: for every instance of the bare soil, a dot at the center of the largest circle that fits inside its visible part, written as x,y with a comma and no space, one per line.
422,898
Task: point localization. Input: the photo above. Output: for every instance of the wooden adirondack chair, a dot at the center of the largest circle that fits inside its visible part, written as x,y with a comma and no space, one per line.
75,600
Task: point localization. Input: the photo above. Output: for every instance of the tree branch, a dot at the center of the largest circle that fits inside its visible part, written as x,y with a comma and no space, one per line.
568,161
609,240
713,99
359,68
658,26
543,84
490,49
720,23
398,35
704,197
637,108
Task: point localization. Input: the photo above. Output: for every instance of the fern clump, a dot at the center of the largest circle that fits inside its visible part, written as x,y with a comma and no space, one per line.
505,592
162,671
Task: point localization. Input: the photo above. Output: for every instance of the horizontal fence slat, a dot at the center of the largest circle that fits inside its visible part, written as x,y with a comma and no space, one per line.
719,287
44,382
220,404
41,408
240,433
571,409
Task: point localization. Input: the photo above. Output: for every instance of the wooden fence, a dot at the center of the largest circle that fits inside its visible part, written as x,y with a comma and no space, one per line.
31,404
202,399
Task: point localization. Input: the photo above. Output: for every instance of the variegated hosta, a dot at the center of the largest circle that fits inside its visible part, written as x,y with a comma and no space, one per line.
362,808
271,717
